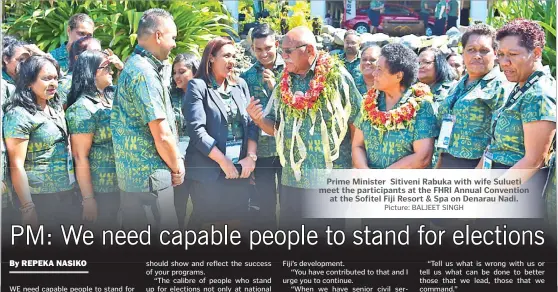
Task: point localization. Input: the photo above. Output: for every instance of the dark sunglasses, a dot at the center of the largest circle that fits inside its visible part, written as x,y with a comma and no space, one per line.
290,50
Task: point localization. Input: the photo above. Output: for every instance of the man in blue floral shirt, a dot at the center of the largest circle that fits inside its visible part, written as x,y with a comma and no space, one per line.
80,25
148,162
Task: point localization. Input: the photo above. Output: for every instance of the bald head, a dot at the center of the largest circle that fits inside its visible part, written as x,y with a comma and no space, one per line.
299,50
301,35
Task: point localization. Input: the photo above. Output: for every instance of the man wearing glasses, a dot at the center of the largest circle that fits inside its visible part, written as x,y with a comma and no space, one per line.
148,162
305,138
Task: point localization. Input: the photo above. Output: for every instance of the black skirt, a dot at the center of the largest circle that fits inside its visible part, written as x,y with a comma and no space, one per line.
536,183
374,16
451,162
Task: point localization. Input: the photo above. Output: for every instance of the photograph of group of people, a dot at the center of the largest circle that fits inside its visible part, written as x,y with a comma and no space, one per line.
91,139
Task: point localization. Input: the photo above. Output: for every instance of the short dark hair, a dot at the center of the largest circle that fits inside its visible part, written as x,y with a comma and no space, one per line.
401,59
480,29
79,18
262,31
79,47
442,69
27,74
531,34
149,22
350,32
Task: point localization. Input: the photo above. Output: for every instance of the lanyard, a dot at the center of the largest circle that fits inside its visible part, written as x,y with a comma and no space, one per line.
459,93
514,96
229,102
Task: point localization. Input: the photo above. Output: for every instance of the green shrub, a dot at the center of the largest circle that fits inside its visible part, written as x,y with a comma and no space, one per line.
542,11
295,15
116,22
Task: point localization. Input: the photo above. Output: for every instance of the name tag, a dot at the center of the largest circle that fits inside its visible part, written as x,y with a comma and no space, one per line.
70,166
445,131
487,160
233,150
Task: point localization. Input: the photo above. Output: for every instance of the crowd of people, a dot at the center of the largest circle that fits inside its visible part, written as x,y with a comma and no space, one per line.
82,149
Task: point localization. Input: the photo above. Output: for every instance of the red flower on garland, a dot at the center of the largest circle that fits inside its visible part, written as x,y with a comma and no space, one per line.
306,100
398,117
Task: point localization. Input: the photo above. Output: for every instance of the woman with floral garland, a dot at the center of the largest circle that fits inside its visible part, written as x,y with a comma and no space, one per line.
397,126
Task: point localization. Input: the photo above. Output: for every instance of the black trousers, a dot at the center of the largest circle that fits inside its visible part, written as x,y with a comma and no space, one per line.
10,216
424,18
268,186
223,201
439,26
140,209
536,185
452,21
108,205
55,209
181,195
292,213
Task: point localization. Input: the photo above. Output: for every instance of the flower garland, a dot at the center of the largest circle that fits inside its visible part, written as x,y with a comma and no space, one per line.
398,118
328,97
301,102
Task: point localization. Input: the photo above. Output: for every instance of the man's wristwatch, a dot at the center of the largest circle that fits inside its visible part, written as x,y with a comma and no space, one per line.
253,156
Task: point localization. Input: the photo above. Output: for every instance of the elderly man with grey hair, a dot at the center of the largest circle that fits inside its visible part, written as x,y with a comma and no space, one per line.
148,162
311,119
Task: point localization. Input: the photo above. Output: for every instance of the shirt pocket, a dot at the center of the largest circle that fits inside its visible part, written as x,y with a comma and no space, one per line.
34,180
159,180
